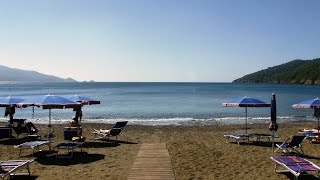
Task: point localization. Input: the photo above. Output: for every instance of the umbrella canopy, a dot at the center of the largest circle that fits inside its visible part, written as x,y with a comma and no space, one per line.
50,102
10,100
83,99
246,102
10,103
312,104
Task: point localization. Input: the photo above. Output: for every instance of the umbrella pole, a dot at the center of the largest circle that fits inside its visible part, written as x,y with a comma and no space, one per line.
272,142
246,120
318,126
32,112
49,130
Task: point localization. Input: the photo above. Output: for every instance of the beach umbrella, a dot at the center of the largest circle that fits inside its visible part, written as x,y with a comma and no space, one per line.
246,102
312,104
10,103
84,100
273,125
50,102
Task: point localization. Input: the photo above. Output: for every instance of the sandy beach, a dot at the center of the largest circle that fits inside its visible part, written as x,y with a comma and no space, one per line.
197,152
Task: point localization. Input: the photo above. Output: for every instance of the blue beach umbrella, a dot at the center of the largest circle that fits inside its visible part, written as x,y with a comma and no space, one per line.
246,102
50,102
10,103
312,104
85,100
10,100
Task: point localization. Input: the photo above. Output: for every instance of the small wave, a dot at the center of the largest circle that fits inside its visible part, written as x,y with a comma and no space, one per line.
177,120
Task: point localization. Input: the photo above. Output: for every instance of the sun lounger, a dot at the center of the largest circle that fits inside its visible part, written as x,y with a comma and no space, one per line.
69,146
33,145
246,137
7,168
114,131
293,145
238,137
260,136
296,165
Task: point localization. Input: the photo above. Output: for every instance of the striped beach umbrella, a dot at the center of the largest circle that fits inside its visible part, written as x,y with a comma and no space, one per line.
50,102
9,100
84,100
312,104
10,103
246,102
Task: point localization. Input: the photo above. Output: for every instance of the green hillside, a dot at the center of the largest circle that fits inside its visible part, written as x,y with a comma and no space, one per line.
294,72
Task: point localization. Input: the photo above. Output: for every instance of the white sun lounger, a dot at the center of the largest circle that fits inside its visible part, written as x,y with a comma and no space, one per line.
238,137
69,146
246,137
33,145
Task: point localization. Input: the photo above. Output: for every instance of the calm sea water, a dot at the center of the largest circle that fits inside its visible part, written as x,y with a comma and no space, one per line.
166,103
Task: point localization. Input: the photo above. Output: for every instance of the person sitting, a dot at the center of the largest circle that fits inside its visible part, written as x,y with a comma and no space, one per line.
73,123
25,128
31,128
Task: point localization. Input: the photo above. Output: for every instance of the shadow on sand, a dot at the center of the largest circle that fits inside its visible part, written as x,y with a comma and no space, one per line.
78,158
14,141
304,177
23,177
257,143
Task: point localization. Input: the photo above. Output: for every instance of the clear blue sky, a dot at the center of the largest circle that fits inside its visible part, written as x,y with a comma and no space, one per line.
156,40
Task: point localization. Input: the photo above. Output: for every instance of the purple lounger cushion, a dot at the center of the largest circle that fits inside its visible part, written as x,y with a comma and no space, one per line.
297,164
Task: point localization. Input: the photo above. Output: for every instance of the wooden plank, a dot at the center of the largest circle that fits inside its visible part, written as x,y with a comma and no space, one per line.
153,162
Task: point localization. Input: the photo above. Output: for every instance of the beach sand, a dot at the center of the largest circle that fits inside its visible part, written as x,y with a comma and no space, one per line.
197,152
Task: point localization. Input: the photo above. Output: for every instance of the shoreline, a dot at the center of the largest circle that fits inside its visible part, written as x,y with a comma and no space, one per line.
178,121
197,152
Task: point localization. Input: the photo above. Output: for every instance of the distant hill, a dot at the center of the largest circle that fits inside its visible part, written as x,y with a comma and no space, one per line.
12,74
293,72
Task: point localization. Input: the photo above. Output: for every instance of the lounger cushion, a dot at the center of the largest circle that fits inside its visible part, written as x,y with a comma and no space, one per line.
297,164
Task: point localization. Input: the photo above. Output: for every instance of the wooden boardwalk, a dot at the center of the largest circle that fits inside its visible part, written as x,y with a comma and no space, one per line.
153,162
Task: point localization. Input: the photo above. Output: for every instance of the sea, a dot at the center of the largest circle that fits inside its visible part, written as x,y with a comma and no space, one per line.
162,103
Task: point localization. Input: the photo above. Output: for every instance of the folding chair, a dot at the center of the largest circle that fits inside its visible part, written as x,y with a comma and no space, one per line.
293,145
114,131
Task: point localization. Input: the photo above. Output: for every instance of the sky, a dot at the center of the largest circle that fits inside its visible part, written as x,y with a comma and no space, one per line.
156,40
